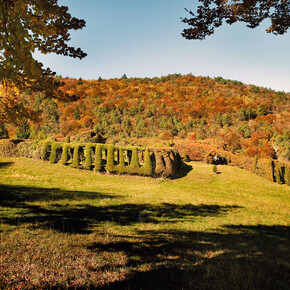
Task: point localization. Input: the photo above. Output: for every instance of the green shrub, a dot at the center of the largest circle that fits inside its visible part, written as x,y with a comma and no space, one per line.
287,175
88,156
45,150
98,157
67,139
76,158
214,168
271,170
134,166
121,167
278,174
147,168
54,155
110,166
64,156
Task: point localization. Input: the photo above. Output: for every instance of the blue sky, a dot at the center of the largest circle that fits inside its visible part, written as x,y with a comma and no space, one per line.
142,39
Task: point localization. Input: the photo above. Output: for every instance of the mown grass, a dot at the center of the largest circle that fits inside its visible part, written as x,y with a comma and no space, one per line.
63,227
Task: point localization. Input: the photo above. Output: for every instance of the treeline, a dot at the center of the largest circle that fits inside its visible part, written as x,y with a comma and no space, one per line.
247,119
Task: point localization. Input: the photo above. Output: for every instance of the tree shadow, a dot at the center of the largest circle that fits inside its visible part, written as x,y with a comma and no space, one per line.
5,164
238,257
16,196
182,172
82,217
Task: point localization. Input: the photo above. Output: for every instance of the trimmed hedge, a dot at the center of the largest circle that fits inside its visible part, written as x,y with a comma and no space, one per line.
54,152
45,154
88,156
64,156
116,160
98,157
76,158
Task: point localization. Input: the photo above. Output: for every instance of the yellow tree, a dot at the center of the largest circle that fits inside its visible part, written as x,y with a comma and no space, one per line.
25,27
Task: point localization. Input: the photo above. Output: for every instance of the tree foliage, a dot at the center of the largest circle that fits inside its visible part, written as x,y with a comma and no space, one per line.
212,13
27,26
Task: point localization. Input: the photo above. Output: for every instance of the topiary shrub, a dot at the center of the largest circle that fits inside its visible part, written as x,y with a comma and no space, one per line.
76,158
287,175
88,156
271,170
255,163
55,152
134,166
278,174
98,158
146,168
121,166
45,150
64,156
110,166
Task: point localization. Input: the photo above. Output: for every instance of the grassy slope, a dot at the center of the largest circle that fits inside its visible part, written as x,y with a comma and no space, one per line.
65,227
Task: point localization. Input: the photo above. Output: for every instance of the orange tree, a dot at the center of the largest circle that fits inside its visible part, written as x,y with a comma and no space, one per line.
25,27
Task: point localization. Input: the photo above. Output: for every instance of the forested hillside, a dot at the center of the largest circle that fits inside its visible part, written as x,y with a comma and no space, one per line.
241,118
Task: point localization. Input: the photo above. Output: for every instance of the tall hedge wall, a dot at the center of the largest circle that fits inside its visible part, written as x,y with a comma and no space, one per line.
130,159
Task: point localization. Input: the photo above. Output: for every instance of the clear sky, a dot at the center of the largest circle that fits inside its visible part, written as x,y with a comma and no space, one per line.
141,38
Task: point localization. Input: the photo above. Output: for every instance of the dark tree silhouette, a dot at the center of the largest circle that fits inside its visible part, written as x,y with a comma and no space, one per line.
212,14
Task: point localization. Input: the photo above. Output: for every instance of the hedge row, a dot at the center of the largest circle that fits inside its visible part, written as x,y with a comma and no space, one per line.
111,158
273,170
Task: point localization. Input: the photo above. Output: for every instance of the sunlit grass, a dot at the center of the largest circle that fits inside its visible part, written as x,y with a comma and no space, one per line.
63,227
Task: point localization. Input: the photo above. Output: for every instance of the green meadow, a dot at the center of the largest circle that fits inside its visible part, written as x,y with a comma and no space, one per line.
63,227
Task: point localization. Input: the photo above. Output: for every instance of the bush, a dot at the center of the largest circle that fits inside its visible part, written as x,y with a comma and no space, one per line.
45,150
88,156
121,167
7,148
147,169
76,158
64,156
110,167
26,149
55,152
287,175
134,164
278,175
214,168
98,157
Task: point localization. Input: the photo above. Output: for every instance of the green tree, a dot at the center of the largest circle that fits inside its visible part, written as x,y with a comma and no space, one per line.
23,131
27,26
211,14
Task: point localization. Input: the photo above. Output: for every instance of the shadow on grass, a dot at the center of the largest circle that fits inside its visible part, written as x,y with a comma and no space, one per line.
80,218
234,257
183,171
240,257
5,164
16,196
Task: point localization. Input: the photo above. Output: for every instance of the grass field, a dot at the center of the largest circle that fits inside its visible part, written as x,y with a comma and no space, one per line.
63,227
